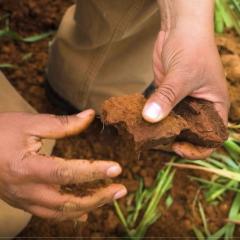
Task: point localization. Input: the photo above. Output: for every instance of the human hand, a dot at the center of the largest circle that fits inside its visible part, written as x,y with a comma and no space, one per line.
31,181
186,63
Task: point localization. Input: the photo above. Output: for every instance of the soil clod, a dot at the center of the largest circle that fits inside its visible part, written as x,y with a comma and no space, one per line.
192,120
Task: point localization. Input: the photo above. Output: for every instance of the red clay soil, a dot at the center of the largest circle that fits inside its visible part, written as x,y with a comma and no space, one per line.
192,120
33,16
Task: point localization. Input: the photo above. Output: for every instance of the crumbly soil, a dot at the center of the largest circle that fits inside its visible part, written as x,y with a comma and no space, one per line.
33,16
192,120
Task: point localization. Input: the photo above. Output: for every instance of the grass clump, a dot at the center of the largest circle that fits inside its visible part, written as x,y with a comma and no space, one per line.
7,32
227,15
225,169
227,231
144,210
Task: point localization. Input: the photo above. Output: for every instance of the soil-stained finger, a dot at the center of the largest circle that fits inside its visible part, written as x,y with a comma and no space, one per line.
58,216
55,170
101,197
55,127
70,205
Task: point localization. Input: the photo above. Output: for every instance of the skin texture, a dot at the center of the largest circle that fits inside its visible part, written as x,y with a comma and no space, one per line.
31,181
186,63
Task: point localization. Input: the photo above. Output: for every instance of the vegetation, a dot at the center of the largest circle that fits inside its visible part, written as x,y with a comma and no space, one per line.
227,15
225,167
8,33
143,210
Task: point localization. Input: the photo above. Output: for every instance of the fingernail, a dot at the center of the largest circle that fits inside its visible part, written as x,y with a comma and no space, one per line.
85,113
120,194
114,171
153,112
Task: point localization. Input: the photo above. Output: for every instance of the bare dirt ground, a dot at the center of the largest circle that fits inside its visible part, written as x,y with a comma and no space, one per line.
31,16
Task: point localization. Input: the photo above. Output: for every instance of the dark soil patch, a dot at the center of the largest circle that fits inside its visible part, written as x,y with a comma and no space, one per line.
32,16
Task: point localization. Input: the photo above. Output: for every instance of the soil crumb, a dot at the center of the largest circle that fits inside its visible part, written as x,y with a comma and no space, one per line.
192,120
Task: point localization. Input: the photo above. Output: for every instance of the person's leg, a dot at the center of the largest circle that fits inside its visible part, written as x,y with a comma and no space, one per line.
12,220
103,48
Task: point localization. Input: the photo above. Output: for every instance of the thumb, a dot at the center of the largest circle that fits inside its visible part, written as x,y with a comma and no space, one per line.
54,127
164,99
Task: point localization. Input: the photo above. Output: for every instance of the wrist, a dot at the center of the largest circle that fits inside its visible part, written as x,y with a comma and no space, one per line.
194,15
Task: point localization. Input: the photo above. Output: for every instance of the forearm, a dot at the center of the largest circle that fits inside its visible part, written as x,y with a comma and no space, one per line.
187,13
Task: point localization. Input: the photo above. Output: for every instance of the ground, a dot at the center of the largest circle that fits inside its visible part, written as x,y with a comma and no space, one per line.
28,17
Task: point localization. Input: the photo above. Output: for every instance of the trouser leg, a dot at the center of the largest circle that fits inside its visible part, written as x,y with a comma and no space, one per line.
102,49
12,220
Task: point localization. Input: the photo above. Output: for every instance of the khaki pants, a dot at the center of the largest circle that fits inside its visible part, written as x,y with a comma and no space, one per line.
103,48
13,220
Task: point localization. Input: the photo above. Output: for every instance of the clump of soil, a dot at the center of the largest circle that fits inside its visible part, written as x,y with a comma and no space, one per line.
192,120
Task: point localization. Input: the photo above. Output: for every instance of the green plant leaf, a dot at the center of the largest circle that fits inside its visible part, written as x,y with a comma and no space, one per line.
7,33
198,233
37,37
204,219
169,201
8,65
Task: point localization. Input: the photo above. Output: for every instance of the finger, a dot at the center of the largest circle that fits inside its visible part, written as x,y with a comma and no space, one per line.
162,101
56,170
222,109
53,126
187,150
46,213
97,199
49,197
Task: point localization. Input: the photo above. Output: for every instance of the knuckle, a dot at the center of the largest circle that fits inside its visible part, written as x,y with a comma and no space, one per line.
64,174
64,123
166,94
70,206
16,194
16,169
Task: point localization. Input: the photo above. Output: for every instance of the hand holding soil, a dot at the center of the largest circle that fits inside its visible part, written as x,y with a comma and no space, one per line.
194,121
31,181
186,64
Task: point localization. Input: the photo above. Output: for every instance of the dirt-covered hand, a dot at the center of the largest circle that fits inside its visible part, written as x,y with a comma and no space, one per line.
31,181
186,63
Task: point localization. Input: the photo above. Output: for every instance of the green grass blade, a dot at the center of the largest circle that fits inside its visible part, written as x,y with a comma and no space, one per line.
216,163
202,163
236,3
37,37
198,233
7,33
233,149
226,13
120,215
8,65
218,235
10,34
225,173
235,207
227,160
204,219
219,22
27,56
169,201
